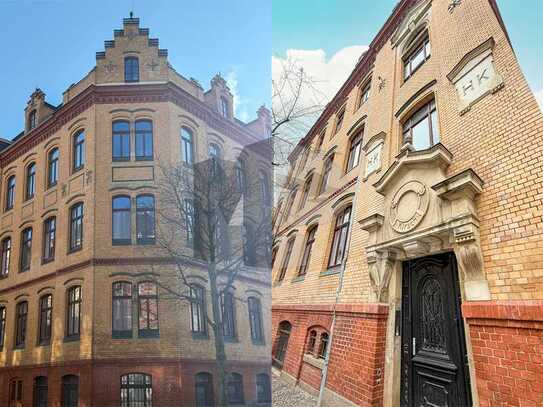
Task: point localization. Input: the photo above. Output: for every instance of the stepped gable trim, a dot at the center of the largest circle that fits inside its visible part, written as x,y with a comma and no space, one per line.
375,309
317,207
115,94
365,64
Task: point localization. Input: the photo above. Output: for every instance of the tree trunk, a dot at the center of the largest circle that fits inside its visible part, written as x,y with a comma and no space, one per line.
219,338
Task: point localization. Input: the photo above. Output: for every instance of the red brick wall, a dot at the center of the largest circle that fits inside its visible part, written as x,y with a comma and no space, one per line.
357,357
507,345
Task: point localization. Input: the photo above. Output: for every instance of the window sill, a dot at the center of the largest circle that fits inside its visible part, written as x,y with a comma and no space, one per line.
44,343
121,243
74,338
121,335
231,340
200,336
19,347
76,170
146,242
298,279
148,334
120,159
51,186
313,361
24,270
144,158
49,260
331,271
75,249
258,343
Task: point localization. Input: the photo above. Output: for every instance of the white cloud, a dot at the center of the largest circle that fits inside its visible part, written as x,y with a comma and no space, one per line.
240,103
539,97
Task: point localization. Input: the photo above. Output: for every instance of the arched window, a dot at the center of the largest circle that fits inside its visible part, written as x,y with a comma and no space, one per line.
203,390
78,151
234,389
70,391
306,257
225,107
122,309
21,313
121,141
327,170
323,346
312,341
49,238
263,388
2,326
144,140
417,54
198,311
131,69
73,313
145,219
148,309
136,390
32,120
26,249
286,260
30,181
52,167
255,319
305,192
121,220
281,344
187,145
339,241
265,193
46,319
339,120
355,145
421,129
215,156
5,257
228,316
76,227
290,203
40,391
10,192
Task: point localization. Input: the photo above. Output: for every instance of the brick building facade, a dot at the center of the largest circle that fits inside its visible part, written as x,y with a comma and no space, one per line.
408,239
82,319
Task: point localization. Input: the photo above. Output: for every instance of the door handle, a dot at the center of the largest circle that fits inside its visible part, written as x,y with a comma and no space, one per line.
414,345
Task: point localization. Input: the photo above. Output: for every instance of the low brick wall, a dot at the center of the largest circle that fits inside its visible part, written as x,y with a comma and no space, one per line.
357,359
507,345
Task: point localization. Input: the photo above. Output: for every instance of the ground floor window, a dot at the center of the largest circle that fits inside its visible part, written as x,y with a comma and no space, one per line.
204,390
40,391
15,392
263,388
234,389
70,391
136,390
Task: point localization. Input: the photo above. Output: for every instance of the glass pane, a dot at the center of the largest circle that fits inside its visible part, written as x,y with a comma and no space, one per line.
435,127
421,135
417,59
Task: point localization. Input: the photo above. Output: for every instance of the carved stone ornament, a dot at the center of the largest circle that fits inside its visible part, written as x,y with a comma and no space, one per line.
380,266
408,207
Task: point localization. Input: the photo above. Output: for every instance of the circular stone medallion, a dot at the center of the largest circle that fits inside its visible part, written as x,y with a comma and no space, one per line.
408,206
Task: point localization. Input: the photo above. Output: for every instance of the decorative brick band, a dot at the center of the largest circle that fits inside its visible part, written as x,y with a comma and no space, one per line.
520,313
367,309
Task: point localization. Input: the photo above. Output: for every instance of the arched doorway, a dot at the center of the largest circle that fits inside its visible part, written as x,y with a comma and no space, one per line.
281,344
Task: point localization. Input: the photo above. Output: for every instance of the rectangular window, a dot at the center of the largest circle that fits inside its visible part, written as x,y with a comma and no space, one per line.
52,169
121,214
122,310
15,392
255,320
5,257
305,192
339,120
339,240
364,94
70,391
326,174
421,129
30,181
10,192
73,313
198,311
49,239
76,227
78,151
121,141
417,56
144,140
145,219
20,324
228,315
26,249
354,151
290,203
307,251
148,309
286,260
46,319
2,326
131,69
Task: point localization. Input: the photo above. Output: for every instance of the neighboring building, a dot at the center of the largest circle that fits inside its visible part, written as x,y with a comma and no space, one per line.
429,157
82,321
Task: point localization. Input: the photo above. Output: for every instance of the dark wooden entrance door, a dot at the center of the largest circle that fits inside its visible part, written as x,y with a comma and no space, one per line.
434,359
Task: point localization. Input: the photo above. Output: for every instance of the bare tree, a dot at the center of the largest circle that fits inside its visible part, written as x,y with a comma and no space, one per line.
213,220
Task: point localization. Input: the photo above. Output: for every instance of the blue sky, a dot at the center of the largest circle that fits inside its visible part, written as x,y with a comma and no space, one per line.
52,43
334,25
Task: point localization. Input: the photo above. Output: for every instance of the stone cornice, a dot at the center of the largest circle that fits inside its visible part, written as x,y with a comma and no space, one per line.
121,94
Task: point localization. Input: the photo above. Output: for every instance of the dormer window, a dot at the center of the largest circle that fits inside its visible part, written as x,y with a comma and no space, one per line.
32,120
131,69
225,107
418,53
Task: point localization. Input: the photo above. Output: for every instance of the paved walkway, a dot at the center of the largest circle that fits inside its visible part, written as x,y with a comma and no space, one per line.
286,395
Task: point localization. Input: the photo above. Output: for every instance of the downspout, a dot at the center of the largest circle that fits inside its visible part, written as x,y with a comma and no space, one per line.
338,292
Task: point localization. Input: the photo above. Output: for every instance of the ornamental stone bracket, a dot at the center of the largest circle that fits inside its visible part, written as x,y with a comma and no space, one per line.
424,213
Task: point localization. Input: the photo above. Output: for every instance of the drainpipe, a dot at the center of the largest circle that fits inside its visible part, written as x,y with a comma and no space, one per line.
338,292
